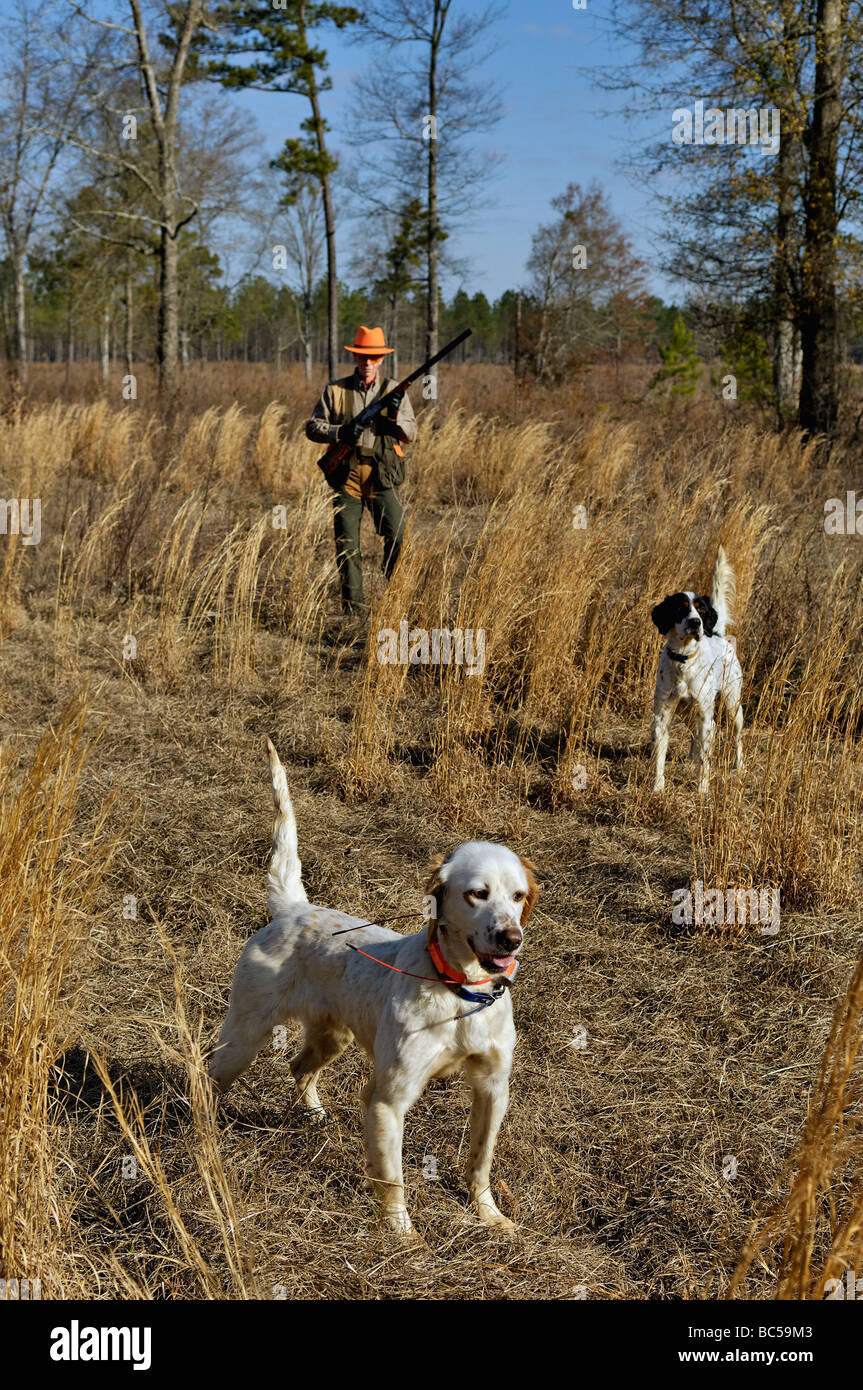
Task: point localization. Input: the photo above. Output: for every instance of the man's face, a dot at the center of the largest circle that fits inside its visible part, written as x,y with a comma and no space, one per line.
367,367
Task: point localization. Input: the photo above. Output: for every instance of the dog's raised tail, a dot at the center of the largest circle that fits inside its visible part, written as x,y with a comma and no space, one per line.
723,591
284,879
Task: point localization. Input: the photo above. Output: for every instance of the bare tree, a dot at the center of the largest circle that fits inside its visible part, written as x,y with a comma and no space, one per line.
157,44
147,176
281,57
819,396
31,81
425,98
304,239
174,209
586,284
762,224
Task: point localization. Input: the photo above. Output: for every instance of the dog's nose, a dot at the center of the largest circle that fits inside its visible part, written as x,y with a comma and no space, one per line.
693,624
511,938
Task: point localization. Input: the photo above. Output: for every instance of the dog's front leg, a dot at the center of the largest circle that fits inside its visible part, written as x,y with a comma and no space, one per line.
662,716
738,735
386,1105
705,742
490,1099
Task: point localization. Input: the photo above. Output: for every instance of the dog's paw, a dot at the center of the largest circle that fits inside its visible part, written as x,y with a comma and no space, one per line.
398,1221
490,1216
318,1116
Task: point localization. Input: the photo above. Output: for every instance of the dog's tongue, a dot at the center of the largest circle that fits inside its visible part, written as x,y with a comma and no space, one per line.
503,962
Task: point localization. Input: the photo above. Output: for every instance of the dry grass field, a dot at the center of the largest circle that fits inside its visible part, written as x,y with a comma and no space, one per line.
135,815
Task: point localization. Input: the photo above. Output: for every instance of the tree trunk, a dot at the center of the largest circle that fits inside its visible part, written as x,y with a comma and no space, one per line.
516,365
70,348
544,335
394,317
332,282
17,364
105,354
432,325
329,229
164,117
786,398
307,335
819,394
786,308
168,328
128,322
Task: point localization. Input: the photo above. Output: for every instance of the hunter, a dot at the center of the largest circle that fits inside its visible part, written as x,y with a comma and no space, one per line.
374,470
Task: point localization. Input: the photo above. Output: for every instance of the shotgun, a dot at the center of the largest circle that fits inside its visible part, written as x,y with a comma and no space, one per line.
337,453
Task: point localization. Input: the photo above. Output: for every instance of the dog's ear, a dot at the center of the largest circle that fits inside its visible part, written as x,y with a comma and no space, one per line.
709,615
663,614
435,881
532,889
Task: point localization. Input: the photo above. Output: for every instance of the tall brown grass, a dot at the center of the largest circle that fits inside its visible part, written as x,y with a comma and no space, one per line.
48,879
814,1236
213,1204
562,607
495,547
210,543
791,821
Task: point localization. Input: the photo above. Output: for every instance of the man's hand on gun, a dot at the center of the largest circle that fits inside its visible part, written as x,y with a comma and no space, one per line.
388,422
349,433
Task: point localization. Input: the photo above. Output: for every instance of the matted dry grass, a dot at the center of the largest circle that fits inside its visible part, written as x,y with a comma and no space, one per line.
649,1054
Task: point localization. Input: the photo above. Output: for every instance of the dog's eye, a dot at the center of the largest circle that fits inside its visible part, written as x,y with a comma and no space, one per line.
519,897
698,604
481,893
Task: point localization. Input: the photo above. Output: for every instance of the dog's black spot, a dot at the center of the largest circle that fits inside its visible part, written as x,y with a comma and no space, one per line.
708,614
670,611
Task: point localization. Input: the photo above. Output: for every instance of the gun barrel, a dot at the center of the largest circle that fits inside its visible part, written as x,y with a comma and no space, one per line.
337,453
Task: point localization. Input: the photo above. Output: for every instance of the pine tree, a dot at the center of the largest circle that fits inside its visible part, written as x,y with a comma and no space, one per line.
680,362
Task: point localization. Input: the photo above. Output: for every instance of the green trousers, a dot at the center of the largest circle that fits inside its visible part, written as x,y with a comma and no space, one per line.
389,520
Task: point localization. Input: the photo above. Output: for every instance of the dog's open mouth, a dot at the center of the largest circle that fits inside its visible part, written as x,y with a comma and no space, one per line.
493,963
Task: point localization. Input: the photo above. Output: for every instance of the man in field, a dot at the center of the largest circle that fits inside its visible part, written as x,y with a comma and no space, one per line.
374,470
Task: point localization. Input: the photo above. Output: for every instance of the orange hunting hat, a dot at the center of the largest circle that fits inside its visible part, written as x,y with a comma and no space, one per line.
369,341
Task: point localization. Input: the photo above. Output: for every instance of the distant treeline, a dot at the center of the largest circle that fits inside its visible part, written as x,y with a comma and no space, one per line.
129,180
260,321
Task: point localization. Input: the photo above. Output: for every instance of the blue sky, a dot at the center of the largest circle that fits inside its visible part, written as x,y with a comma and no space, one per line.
557,127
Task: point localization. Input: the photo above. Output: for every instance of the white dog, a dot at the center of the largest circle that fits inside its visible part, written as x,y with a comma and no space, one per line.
421,1006
697,664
